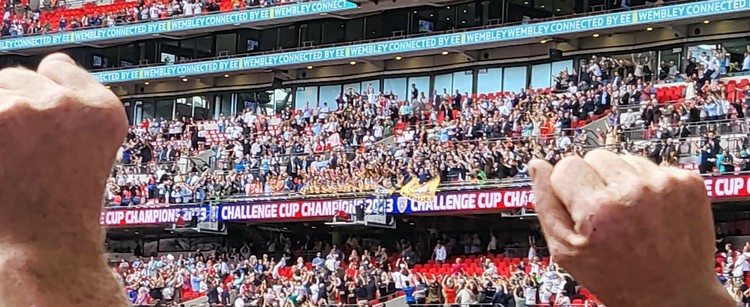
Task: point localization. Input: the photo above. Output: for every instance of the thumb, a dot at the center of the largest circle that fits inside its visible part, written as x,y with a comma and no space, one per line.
554,217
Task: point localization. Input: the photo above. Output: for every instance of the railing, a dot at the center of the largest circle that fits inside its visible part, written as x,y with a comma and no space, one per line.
695,128
452,31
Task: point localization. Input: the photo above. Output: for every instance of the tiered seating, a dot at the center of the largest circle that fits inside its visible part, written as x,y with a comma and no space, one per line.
472,264
670,93
736,90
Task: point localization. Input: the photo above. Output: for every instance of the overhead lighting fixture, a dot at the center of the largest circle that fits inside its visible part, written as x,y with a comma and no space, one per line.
596,35
649,29
353,63
226,76
526,2
558,10
706,21
184,79
309,67
445,52
107,87
398,58
237,24
447,18
544,41
542,6
146,83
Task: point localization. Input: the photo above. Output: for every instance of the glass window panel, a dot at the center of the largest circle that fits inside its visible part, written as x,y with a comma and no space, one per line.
514,79
149,109
354,29
288,37
560,66
669,64
354,87
541,75
226,43
226,104
204,46
421,83
443,83
183,107
306,94
375,84
333,31
164,109
328,94
397,86
490,80
463,81
200,107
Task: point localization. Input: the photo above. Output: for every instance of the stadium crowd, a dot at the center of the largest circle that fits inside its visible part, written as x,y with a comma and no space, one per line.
460,271
339,147
53,16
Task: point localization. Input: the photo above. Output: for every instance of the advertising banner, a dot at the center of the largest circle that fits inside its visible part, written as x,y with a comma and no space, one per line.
434,42
174,25
728,187
481,201
477,202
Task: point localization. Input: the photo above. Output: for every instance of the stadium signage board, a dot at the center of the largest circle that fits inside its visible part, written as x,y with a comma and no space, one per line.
728,187
173,25
488,200
718,188
434,42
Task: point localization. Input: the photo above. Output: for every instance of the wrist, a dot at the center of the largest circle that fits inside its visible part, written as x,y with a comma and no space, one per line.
48,276
696,292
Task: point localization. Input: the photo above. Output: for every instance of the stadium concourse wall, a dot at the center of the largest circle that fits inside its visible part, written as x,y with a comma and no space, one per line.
664,14
482,200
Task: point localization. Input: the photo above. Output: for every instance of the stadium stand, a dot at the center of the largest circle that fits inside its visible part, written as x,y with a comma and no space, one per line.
20,20
471,116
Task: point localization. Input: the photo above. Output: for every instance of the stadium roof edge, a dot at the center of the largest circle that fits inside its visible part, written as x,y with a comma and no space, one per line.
434,43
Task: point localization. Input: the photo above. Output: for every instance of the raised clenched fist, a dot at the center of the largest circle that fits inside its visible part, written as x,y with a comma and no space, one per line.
59,132
632,232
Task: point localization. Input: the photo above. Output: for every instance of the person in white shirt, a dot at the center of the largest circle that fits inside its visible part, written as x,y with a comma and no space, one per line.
240,301
440,253
188,7
197,8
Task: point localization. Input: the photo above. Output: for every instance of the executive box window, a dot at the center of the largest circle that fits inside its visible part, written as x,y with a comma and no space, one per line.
334,31
226,43
387,24
269,39
288,37
310,33
489,80
354,29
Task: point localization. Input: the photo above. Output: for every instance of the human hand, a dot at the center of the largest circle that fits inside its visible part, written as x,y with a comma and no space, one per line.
60,130
633,233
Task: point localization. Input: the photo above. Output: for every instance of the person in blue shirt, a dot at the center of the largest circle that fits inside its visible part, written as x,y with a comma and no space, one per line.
409,293
318,262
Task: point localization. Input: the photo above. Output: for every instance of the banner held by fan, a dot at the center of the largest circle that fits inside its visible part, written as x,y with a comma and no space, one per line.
420,192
